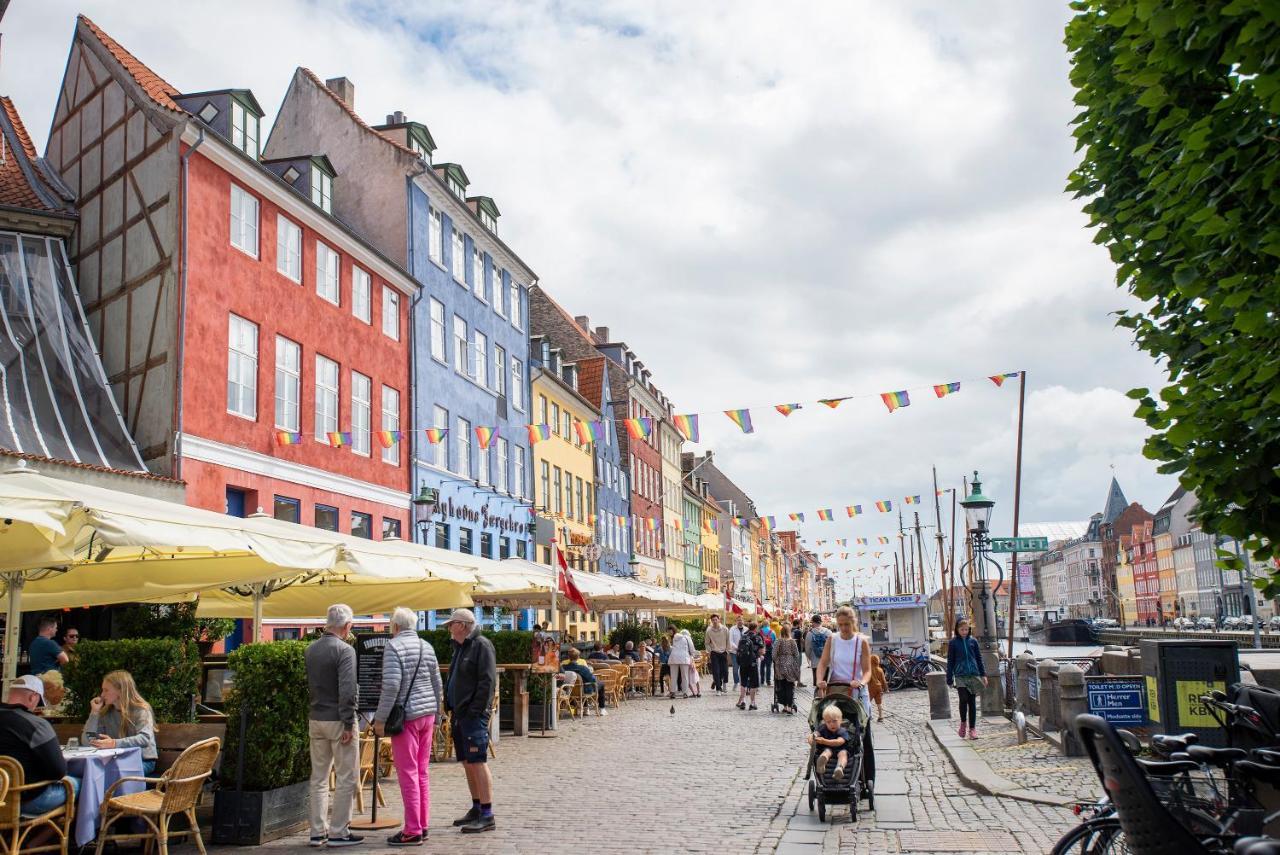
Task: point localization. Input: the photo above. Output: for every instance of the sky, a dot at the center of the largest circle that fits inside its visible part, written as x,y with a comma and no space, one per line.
768,204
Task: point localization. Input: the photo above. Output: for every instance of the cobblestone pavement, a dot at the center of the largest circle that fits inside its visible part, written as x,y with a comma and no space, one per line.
1036,764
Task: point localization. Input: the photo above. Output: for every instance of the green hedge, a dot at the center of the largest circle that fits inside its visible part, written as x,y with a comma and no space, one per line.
511,646
166,670
271,681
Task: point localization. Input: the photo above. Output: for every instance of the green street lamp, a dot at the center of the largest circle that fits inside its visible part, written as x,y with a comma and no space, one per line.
977,509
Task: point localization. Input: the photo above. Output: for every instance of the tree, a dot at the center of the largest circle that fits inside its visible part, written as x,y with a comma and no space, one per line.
1181,169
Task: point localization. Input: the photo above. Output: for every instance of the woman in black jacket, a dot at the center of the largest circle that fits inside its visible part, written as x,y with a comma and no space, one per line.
966,672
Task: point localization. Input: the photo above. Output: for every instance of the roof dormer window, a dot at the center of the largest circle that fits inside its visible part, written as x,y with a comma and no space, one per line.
457,188
321,186
419,148
244,128
489,222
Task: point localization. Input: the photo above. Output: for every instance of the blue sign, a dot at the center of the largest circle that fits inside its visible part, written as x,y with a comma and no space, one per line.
1122,701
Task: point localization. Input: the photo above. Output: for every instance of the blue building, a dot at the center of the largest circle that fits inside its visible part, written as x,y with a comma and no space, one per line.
469,320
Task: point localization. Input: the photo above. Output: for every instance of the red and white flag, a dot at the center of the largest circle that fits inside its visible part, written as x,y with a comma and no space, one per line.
564,583
731,606
760,608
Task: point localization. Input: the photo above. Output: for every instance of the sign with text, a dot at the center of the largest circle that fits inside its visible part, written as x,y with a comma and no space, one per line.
1019,544
903,601
1122,701
1026,579
369,650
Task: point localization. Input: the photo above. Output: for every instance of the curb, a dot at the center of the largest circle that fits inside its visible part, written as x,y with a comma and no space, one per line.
978,774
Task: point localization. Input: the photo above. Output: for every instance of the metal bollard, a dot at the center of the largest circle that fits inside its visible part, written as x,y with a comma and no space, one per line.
939,702
1073,701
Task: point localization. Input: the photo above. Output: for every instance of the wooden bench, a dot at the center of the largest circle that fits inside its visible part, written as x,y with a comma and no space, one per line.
171,739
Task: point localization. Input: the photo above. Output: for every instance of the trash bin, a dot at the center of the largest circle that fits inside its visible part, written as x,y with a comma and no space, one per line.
1178,672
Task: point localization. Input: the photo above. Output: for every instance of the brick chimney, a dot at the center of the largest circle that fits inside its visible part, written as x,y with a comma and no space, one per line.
584,322
344,89
602,333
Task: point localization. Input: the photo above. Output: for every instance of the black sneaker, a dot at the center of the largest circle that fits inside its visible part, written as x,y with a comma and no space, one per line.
753,706
740,705
471,816
348,839
317,842
402,839
481,823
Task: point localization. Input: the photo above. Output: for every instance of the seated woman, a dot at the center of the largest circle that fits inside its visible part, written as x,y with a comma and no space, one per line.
587,676
120,718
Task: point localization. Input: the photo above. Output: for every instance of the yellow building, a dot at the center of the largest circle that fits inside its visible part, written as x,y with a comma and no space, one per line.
1126,590
710,547
564,486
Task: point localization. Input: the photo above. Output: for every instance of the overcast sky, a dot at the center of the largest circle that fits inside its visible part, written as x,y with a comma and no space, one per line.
769,204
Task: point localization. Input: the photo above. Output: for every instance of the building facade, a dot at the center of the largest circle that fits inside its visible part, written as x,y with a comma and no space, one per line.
1170,523
674,512
1146,572
613,507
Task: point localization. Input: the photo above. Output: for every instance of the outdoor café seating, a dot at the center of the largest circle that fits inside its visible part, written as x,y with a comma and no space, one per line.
16,829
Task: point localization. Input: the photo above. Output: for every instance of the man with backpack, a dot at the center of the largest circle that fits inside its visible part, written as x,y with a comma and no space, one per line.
815,641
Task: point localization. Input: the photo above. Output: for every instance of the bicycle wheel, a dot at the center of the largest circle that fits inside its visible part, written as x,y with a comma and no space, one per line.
1095,837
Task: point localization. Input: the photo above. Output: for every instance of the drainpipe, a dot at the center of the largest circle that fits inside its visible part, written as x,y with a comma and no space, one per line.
413,346
182,313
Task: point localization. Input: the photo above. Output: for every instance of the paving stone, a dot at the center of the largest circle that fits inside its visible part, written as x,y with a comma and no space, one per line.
890,783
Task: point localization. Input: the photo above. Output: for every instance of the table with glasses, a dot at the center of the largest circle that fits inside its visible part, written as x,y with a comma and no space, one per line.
98,769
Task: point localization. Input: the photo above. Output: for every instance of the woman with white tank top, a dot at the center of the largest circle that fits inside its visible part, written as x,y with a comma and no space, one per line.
847,659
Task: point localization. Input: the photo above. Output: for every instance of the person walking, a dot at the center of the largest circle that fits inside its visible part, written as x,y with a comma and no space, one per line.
716,638
786,668
846,658
681,664
411,687
750,652
735,635
331,726
815,641
878,686
797,635
766,664
966,672
473,678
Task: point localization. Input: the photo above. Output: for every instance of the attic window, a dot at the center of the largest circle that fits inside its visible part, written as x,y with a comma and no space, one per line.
208,113
458,189
321,188
490,222
244,128
291,175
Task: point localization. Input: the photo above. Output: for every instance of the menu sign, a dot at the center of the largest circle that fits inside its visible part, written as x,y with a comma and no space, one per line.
369,650
546,652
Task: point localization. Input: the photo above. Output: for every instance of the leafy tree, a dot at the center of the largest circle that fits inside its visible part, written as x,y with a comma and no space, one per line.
1181,169
177,620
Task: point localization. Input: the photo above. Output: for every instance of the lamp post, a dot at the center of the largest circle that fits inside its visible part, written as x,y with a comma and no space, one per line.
424,511
977,514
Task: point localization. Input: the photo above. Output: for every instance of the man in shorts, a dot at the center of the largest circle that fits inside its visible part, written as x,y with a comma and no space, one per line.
473,677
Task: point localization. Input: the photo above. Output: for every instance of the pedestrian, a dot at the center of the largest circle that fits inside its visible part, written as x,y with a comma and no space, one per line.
119,717
695,683
966,672
815,641
766,664
797,635
70,638
473,678
331,726
716,639
750,652
664,654
735,635
407,710
679,662
43,653
846,659
878,686
786,668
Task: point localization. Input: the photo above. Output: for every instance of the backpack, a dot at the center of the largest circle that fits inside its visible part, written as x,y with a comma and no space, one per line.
819,642
749,646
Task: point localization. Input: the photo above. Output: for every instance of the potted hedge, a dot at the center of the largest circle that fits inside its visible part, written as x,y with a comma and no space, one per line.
262,793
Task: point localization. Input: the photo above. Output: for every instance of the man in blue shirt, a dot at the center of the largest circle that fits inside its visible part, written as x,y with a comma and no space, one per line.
44,653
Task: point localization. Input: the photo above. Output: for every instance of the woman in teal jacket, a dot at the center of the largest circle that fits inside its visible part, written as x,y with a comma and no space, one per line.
965,671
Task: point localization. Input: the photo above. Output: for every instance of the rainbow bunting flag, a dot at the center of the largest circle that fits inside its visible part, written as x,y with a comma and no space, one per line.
883,540
584,432
844,556
787,409
942,390
862,553
337,439
824,514
820,542
796,517
738,520
285,437
741,418
896,400
884,506
999,379
388,438
706,525
832,402
862,541
484,436
911,500
639,428
854,510
768,522
878,554
941,492
687,425
599,431
435,435
844,541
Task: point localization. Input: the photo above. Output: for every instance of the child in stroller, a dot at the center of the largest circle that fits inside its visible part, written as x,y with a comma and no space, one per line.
832,736
843,715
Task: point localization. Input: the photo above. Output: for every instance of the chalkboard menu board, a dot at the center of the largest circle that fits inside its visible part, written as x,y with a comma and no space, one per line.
369,650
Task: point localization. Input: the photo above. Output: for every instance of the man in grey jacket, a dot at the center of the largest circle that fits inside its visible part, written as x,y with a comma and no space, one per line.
331,679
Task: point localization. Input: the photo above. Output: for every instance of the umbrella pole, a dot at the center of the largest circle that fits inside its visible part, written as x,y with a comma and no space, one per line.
13,624
257,612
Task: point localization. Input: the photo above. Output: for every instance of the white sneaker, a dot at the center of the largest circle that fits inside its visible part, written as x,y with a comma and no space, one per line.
603,711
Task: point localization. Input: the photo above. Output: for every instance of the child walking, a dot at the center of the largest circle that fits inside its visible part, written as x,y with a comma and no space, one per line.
878,686
834,738
966,672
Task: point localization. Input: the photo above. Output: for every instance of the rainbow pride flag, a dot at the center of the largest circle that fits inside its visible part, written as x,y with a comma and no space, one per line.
337,439
853,510
896,400
797,517
824,514
687,425
862,541
741,418
942,390
768,522
884,506
599,431
911,500
639,428
388,438
584,432
844,556
844,541
787,409
435,435
537,433
999,379
286,437
884,541
832,402
878,554
484,436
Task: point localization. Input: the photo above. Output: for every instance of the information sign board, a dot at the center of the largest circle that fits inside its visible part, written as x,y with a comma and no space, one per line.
1122,701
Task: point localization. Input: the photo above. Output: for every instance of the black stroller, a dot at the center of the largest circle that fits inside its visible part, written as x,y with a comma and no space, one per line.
824,789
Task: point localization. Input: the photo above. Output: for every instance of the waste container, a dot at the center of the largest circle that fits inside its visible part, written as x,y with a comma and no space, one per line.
1178,672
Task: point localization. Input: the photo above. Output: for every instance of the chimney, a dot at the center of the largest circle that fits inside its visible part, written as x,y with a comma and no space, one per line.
396,118
602,333
584,322
344,89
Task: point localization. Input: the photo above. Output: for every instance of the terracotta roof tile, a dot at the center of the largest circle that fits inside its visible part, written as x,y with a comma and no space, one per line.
354,115
40,458
590,378
159,90
15,189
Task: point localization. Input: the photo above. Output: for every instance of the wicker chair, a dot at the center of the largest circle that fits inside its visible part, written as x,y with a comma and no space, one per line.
640,674
177,792
367,773
16,828
612,687
564,697
585,697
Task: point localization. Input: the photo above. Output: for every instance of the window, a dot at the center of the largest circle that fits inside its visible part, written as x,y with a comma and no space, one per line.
514,302
288,383
567,427
568,495
288,248
464,540
322,189
440,419
442,535
522,549
244,221
486,544
326,398
287,510
457,258
555,418
457,188
578,497
390,529
242,368
462,442
517,473
390,314
477,272
545,495
286,633
361,525
437,331
502,451
326,273
459,345
557,503
361,288
435,237
542,410
327,517
244,129
480,361
517,384
361,390
391,421
497,291
504,548
482,464
499,370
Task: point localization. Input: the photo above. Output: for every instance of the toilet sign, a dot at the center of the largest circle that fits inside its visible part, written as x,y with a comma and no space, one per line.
1122,701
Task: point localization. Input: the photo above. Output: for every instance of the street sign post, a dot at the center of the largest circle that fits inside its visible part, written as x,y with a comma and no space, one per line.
1019,544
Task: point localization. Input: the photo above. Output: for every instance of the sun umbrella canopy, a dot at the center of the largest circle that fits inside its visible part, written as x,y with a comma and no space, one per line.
312,597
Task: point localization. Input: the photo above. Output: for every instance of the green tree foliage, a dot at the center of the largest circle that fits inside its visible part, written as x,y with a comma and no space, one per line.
170,621
166,670
1181,169
271,685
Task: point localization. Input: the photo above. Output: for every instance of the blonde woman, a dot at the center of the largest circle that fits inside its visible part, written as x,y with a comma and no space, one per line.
119,717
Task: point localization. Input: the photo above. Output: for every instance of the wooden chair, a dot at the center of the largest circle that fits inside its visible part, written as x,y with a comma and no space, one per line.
612,687
442,740
640,674
15,828
586,697
367,772
177,792
564,697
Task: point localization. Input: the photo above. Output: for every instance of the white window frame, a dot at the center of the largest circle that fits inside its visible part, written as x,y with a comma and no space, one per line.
361,406
390,313
500,370
502,452
484,464
391,421
441,417
321,189
439,346
288,384
477,271
517,383
480,358
328,273
514,304
361,294
517,472
462,446
242,368
499,300
458,257
461,345
435,235
244,220
327,390
289,248
245,132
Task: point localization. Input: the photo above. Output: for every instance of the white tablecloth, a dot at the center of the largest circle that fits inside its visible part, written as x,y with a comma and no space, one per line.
96,772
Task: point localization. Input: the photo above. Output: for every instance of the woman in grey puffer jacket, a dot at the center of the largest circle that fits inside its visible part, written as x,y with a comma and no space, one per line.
410,676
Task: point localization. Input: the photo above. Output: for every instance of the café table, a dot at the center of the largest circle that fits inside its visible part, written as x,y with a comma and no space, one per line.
97,769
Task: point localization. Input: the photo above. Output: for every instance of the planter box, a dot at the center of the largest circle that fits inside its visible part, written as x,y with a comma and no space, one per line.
251,818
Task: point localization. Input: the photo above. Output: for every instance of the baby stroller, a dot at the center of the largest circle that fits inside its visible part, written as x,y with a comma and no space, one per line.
824,789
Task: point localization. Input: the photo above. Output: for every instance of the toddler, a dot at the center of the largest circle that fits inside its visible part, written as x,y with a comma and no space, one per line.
877,686
833,738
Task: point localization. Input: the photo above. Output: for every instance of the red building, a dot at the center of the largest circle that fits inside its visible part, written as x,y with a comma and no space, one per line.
230,305
1146,572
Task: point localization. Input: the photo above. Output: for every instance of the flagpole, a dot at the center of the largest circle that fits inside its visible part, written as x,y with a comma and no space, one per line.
1017,504
902,548
942,559
920,554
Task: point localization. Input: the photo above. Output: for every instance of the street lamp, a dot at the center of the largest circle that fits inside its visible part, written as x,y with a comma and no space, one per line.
424,510
977,509
977,513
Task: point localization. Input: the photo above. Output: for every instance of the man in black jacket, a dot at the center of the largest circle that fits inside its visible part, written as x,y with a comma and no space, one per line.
473,677
31,741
